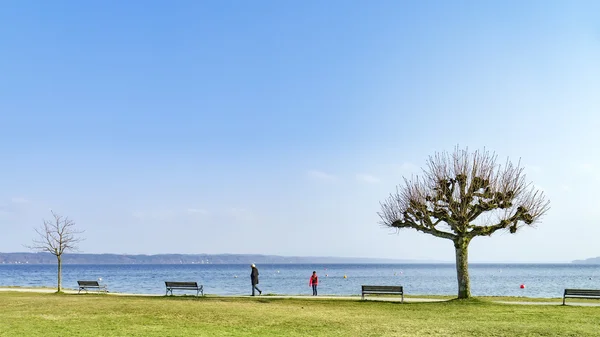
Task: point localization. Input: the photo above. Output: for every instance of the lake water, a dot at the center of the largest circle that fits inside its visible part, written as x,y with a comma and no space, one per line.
540,280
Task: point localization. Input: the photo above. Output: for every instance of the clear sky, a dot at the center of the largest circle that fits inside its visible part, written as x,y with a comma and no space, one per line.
276,127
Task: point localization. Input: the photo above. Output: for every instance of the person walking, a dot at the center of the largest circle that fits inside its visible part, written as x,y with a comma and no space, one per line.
314,282
254,279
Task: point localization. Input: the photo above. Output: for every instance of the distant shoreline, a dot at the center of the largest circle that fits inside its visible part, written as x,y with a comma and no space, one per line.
47,258
591,260
231,259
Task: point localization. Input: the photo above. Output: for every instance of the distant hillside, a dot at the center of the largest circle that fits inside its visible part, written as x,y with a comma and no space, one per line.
47,258
591,260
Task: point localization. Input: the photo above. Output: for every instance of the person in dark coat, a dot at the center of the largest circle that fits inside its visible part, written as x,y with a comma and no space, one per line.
254,279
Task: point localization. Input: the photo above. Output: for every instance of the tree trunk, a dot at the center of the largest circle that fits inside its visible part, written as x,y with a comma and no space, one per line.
461,245
59,273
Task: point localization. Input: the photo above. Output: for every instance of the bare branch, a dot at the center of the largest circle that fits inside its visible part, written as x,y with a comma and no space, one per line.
456,189
417,215
57,236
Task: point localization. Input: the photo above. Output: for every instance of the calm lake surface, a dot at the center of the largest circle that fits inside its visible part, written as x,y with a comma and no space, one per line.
540,280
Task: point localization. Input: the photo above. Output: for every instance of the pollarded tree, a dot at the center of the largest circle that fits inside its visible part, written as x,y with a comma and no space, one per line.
56,237
463,195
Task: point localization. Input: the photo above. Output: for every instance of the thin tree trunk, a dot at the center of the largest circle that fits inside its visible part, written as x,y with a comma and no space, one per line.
59,273
461,246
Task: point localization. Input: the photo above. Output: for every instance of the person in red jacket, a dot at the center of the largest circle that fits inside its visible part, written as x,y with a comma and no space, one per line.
314,281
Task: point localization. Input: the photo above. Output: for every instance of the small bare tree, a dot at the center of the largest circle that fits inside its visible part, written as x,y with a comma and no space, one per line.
57,236
463,195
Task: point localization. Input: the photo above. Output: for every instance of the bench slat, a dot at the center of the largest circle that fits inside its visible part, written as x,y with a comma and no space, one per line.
382,288
595,291
181,284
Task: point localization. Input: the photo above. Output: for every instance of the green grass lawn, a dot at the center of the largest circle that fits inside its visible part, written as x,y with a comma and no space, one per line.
36,314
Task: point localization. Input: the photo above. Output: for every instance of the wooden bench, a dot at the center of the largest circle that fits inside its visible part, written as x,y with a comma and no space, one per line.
388,290
581,293
87,285
183,286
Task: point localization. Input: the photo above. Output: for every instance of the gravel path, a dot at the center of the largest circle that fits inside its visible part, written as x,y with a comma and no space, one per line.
380,299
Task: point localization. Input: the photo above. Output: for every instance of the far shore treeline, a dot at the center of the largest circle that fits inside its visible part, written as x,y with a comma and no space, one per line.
47,258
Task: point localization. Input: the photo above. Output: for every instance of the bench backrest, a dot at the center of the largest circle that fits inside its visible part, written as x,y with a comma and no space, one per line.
181,284
397,289
88,283
582,292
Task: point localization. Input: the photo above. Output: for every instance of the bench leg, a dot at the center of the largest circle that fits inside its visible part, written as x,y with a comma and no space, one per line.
363,296
402,298
564,298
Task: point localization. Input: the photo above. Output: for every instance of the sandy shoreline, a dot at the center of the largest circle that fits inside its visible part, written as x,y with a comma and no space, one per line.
66,291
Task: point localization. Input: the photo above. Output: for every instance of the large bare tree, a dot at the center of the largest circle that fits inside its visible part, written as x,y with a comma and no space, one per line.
462,195
57,236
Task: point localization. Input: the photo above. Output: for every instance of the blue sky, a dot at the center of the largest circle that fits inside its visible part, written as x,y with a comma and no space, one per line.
277,127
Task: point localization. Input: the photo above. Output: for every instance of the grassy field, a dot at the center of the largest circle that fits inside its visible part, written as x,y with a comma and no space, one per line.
36,314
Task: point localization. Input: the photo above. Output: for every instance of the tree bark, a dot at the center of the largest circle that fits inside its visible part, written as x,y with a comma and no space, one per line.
59,273
461,245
